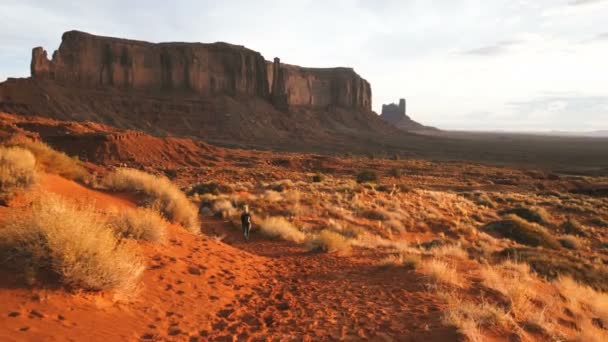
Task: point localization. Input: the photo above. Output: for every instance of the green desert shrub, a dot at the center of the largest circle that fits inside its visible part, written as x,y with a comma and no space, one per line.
367,176
158,192
139,224
279,227
17,171
536,215
329,241
70,243
50,160
527,233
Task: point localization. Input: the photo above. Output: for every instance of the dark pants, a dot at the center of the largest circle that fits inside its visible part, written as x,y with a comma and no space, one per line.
246,228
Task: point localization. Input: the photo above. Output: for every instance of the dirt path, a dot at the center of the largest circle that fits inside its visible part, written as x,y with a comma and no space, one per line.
317,296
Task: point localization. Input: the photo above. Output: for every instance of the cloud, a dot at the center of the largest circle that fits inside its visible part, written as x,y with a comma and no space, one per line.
492,50
602,36
583,2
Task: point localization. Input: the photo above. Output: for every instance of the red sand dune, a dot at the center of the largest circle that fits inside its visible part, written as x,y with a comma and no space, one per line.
197,288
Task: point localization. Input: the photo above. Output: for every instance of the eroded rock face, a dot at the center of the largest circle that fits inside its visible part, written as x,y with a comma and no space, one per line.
292,85
91,61
394,113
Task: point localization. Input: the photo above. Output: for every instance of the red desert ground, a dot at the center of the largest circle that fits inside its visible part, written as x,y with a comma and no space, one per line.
126,166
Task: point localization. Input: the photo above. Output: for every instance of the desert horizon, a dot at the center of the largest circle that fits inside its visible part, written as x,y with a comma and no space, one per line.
447,180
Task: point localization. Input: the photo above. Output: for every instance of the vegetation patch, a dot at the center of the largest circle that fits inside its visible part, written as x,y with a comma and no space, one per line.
50,160
552,264
17,171
329,241
139,224
536,215
367,176
72,244
524,232
279,227
159,193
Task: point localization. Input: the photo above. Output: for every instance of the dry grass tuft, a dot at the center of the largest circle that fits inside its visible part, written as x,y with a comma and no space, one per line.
407,261
73,244
469,317
17,171
223,208
279,227
50,160
441,272
160,193
139,224
329,241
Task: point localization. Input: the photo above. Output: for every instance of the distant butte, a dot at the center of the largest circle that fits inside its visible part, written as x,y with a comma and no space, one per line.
396,115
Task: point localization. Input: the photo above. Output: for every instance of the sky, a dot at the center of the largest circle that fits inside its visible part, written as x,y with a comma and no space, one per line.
511,65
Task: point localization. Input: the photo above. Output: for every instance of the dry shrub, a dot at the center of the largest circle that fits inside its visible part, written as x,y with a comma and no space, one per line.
536,215
469,317
139,224
583,298
223,208
160,193
407,261
512,280
17,171
571,242
73,243
329,241
519,230
441,272
279,227
272,196
50,160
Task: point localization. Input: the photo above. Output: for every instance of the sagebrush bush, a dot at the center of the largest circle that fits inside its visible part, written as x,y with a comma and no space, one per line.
367,176
159,193
74,244
279,227
536,215
519,230
570,242
17,171
139,224
329,241
50,160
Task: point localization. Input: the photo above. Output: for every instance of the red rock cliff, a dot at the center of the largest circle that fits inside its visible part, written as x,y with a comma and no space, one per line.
90,61
292,85
206,69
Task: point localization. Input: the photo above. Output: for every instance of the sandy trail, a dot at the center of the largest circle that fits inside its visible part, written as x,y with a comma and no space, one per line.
317,296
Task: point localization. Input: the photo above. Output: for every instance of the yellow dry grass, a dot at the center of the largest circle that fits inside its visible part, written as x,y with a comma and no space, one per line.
160,193
17,171
50,160
139,224
281,228
74,243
